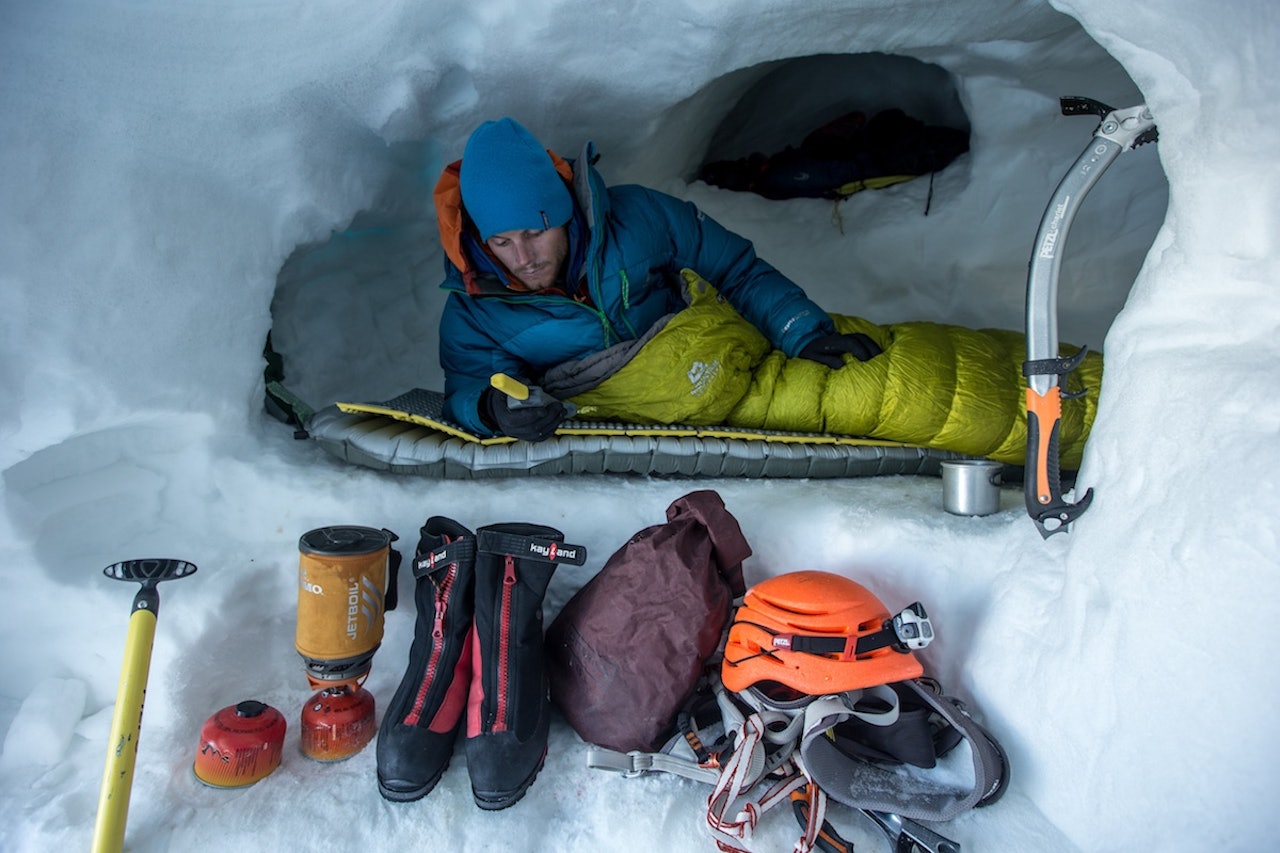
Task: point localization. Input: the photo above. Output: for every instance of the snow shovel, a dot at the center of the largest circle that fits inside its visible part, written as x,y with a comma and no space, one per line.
1119,131
126,721
521,395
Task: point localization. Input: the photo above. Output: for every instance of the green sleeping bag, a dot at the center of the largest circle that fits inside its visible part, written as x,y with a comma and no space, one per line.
935,385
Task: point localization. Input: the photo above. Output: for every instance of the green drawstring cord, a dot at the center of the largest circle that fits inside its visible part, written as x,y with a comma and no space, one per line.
626,302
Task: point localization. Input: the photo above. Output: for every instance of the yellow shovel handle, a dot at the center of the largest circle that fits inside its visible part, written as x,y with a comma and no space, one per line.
513,388
126,723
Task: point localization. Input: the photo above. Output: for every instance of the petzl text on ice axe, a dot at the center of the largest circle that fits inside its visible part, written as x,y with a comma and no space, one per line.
1119,131
126,720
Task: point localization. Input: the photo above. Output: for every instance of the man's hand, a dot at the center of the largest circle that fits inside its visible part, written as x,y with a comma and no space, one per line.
527,422
831,349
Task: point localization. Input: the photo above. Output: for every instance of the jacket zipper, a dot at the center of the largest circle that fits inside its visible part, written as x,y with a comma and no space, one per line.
437,646
504,644
626,302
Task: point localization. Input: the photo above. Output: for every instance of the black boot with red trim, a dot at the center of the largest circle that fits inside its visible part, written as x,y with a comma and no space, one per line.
421,724
509,710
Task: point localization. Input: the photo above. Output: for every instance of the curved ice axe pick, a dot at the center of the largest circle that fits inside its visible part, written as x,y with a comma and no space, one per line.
126,720
1119,131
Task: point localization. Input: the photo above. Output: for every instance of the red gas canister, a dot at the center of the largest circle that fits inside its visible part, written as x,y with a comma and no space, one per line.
240,744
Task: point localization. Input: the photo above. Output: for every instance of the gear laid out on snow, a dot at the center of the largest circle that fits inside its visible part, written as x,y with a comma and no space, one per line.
803,690
1046,370
477,648
126,718
346,583
818,697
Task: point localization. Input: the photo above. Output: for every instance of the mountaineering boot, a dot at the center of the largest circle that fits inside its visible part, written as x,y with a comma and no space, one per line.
509,708
421,723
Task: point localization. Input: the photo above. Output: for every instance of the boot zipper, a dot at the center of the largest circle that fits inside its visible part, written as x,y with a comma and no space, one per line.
437,646
504,644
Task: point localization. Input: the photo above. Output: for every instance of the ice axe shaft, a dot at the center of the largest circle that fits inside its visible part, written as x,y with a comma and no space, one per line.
126,719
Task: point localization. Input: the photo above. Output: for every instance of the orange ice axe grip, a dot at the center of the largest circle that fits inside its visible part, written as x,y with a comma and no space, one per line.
1045,412
1042,479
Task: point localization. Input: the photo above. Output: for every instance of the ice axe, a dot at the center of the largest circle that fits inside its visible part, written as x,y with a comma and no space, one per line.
1119,131
126,720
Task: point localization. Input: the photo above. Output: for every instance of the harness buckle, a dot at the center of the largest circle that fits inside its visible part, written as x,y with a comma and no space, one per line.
641,763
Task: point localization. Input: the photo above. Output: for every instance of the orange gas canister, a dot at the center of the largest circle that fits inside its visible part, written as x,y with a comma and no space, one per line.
337,723
240,745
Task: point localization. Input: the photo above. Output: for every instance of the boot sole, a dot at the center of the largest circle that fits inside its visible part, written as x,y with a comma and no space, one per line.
398,796
499,800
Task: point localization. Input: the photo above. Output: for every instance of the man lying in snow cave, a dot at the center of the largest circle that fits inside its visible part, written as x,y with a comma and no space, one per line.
576,275
637,307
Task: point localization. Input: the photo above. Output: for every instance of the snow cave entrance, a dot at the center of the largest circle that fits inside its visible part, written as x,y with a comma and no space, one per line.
828,126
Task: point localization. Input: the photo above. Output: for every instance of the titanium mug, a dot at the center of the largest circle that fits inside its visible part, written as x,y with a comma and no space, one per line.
971,486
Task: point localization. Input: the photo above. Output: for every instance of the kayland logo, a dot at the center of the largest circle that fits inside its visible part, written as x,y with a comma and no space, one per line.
440,555
552,551
701,375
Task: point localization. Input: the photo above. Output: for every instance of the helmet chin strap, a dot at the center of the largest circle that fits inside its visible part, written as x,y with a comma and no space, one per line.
909,629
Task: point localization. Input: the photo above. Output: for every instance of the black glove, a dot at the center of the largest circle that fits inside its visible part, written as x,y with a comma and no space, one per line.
830,349
527,422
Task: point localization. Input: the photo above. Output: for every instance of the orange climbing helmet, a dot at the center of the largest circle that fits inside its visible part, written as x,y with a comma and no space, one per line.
818,633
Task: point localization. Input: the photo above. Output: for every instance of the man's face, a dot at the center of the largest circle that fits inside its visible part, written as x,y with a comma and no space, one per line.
533,257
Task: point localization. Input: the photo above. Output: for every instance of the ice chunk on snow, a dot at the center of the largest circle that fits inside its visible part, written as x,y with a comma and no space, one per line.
42,729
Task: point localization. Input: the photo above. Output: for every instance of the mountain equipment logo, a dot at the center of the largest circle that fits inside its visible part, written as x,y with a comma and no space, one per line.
702,374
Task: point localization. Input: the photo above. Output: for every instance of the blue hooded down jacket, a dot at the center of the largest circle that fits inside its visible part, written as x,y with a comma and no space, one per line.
627,245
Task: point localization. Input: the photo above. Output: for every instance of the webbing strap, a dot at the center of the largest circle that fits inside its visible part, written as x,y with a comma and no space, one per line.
732,823
458,551
1053,366
637,763
847,647
869,785
530,547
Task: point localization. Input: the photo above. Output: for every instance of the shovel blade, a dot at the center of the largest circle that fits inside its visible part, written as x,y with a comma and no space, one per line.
151,570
